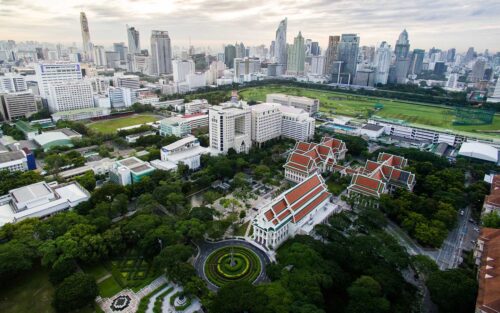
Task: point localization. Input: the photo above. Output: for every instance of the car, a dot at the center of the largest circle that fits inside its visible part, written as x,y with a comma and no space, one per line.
472,221
476,229
462,212
473,242
255,209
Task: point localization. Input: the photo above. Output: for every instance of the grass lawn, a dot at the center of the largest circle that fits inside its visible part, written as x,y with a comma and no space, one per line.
241,230
109,287
359,106
96,270
31,292
111,125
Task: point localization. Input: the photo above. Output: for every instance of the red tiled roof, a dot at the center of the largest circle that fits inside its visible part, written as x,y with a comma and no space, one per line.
303,146
302,188
304,200
311,206
494,197
387,170
367,182
371,166
488,296
280,206
284,215
377,175
269,215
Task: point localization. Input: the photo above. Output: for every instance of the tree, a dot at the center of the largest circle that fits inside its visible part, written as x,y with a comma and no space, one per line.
87,180
261,171
76,291
453,290
491,219
229,202
15,257
365,295
238,297
62,269
243,214
202,213
192,229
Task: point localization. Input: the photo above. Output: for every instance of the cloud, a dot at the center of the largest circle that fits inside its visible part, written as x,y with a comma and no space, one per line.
444,23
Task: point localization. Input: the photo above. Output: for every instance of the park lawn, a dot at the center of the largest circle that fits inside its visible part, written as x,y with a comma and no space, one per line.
360,106
30,292
108,287
97,270
110,126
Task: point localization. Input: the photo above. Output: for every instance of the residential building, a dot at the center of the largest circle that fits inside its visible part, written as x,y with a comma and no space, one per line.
295,211
70,95
196,80
492,201
309,105
112,59
382,64
16,105
176,126
99,56
196,106
230,127
182,68
40,200
186,150
134,43
121,49
266,122
53,73
280,48
495,97
487,257
12,83
402,52
129,171
121,97
478,69
296,56
161,53
296,124
307,159
383,176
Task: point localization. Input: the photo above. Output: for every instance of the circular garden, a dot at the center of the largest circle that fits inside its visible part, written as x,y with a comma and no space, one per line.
233,263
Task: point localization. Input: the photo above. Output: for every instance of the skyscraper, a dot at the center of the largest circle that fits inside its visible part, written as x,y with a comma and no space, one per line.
134,44
315,48
280,53
450,55
331,54
229,55
417,61
402,51
121,49
296,56
348,55
240,50
382,62
161,52
87,45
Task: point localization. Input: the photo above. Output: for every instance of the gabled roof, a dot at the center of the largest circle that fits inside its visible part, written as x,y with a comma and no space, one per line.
488,297
367,185
494,197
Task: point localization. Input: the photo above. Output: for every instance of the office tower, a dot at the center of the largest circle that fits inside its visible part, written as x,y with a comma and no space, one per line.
470,55
266,122
495,97
246,66
417,61
161,53
127,81
478,69
348,55
112,59
17,104
315,48
364,77
47,74
12,83
134,44
402,48
70,95
229,55
318,65
240,50
331,55
382,63
452,81
39,53
230,127
99,56
439,68
182,68
450,55
296,56
280,53
87,45
120,48
271,49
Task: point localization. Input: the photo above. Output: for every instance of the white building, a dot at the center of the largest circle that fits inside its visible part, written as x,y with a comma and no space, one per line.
372,131
382,63
102,101
295,211
121,97
13,161
266,122
70,95
197,120
128,171
230,127
99,56
12,83
182,68
309,105
196,106
196,80
479,151
495,97
296,124
318,65
127,81
175,126
40,200
186,150
53,73
15,105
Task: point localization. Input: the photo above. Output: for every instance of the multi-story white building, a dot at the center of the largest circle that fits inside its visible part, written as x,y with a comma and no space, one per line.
245,66
196,80
127,81
176,126
309,105
99,56
13,161
230,127
186,150
70,95
129,171
196,106
318,65
182,68
296,124
121,97
15,105
197,120
383,59
53,73
266,122
12,83
295,211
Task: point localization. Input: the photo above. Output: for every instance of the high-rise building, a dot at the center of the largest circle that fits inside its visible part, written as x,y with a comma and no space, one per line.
470,55
452,82
240,50
87,45
99,56
71,95
245,66
182,68
15,105
161,53
266,122
402,52
382,63
134,44
318,65
12,83
280,51
417,61
229,55
315,48
348,55
296,56
440,68
230,127
112,59
478,69
120,48
495,97
450,55
52,73
331,55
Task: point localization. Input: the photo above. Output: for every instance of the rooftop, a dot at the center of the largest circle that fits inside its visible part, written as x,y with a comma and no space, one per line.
181,142
372,127
479,150
488,297
49,137
11,156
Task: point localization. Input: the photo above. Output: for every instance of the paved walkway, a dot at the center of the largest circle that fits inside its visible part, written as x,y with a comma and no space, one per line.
206,248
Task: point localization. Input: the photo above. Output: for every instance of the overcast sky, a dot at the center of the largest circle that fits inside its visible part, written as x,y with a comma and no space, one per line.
440,23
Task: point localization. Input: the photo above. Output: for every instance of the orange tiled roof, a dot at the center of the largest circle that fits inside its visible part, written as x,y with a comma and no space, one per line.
311,206
301,189
488,297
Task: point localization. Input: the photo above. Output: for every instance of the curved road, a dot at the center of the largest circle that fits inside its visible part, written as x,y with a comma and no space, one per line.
206,248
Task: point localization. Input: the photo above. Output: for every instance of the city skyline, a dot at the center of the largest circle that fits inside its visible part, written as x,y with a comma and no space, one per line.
445,24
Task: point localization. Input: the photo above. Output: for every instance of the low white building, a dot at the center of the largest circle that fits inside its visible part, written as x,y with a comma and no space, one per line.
40,200
295,211
309,105
13,161
479,151
186,150
196,106
372,131
129,171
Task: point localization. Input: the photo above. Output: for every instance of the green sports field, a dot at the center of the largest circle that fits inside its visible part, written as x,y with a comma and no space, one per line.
359,106
111,125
